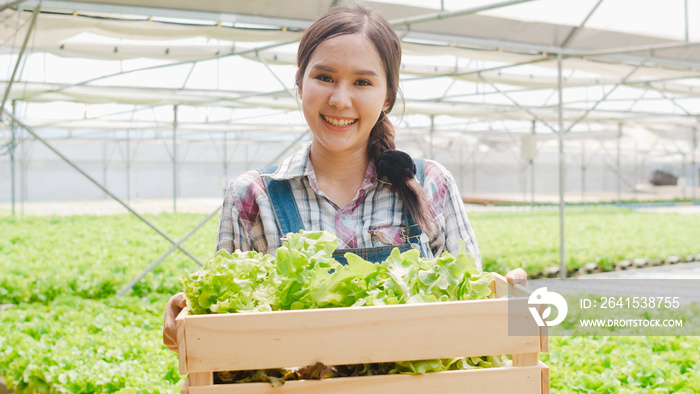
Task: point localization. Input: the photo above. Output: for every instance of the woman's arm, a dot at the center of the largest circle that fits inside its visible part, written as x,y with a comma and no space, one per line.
447,207
240,215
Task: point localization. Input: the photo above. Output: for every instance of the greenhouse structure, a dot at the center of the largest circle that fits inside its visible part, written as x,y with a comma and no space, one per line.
156,99
571,129
521,100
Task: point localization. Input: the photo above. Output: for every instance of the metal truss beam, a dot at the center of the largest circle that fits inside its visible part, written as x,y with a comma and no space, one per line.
19,58
160,66
517,104
11,4
99,185
472,72
638,48
620,54
451,14
574,32
605,96
175,246
158,12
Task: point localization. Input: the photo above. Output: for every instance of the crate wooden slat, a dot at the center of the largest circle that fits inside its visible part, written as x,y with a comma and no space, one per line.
492,380
336,336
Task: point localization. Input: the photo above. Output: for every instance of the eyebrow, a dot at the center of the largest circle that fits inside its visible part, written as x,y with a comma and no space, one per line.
323,67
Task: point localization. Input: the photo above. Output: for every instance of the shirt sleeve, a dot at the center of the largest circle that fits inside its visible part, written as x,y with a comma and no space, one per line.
240,224
448,209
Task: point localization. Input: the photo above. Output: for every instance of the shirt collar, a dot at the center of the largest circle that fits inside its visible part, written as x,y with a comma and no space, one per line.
298,165
295,166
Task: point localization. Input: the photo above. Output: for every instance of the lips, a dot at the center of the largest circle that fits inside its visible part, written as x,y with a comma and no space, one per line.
339,122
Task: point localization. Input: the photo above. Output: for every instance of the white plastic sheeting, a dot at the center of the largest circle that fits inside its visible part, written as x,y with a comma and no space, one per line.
475,74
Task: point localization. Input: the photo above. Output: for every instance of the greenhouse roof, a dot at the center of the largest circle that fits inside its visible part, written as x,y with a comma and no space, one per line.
477,67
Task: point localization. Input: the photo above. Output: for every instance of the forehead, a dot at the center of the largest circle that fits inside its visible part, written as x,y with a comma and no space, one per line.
349,51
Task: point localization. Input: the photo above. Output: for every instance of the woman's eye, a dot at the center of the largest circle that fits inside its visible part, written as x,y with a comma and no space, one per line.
363,82
324,78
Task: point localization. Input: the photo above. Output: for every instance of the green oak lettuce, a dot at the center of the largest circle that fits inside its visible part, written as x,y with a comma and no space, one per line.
304,275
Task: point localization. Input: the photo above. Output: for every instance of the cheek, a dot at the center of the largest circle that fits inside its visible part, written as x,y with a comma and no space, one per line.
311,96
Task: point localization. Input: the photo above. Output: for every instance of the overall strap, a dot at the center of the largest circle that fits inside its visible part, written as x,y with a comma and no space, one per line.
413,231
420,170
282,202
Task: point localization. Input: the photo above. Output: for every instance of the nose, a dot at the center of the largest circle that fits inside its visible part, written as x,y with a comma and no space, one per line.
340,97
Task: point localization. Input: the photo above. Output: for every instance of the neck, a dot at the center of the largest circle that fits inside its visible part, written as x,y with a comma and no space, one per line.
339,167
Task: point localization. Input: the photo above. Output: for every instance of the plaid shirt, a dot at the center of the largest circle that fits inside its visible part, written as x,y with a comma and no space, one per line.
373,218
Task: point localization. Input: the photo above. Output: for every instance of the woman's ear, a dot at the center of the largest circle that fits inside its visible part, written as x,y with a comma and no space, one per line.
387,105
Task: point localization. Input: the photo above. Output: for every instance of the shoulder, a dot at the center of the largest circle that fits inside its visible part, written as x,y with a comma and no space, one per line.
247,184
244,194
435,170
437,178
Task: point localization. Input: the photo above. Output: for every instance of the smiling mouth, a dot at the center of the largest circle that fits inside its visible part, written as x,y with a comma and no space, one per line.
339,122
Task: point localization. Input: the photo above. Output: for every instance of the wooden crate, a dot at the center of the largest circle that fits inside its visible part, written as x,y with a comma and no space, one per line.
242,341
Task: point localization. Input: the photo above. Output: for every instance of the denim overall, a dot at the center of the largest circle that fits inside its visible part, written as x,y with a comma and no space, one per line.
288,219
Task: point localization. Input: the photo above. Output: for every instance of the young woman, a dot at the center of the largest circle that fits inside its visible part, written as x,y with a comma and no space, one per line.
349,180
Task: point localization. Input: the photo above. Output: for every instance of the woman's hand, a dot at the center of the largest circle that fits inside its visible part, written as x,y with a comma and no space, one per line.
517,276
173,308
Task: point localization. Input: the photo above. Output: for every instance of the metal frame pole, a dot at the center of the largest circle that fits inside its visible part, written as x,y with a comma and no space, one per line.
685,13
560,116
23,173
174,158
104,166
532,172
128,166
522,175
583,169
694,174
225,158
617,163
91,179
682,176
635,177
12,156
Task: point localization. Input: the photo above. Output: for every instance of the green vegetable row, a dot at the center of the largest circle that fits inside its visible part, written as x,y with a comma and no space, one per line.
76,345
530,239
95,256
55,267
625,365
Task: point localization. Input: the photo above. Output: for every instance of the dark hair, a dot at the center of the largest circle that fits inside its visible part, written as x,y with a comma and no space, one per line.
342,20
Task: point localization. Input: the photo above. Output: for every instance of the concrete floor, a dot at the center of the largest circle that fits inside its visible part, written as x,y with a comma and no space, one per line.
208,205
681,280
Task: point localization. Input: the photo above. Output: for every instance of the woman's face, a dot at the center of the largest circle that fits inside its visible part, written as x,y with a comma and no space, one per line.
343,91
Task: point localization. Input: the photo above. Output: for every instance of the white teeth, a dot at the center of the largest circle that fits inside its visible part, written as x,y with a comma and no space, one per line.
339,123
